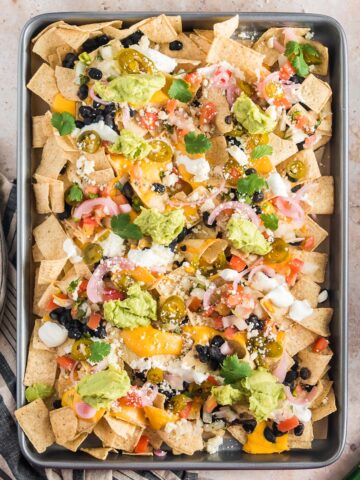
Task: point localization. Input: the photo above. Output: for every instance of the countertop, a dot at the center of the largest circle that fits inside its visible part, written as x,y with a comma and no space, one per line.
16,12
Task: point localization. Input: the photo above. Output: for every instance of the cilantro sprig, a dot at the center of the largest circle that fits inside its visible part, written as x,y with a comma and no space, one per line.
64,122
270,220
260,151
234,369
73,285
74,195
98,351
300,55
180,90
250,184
121,225
196,143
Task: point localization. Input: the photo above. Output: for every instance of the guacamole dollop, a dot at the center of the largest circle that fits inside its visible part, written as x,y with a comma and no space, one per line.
137,310
161,227
38,390
130,145
263,392
133,88
251,116
227,395
102,388
245,236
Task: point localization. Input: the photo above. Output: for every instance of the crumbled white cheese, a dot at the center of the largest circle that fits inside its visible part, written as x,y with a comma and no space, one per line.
238,154
197,292
213,444
84,167
170,179
113,245
152,258
52,334
263,283
280,297
207,206
323,296
300,310
72,251
228,274
302,413
198,167
277,185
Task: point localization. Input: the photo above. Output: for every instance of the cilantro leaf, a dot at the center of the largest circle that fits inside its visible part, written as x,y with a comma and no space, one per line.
270,220
300,55
120,224
292,48
74,195
301,67
260,151
247,186
234,369
73,285
99,350
64,122
196,143
180,90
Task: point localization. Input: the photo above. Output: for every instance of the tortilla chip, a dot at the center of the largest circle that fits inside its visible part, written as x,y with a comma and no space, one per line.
159,30
315,93
238,433
318,321
117,433
41,192
50,270
40,368
307,157
312,229
303,440
82,270
33,418
35,341
46,44
184,441
327,406
226,28
74,444
53,159
36,254
205,34
53,60
57,197
217,155
39,136
154,439
314,264
71,36
306,289
102,177
189,51
297,338
203,44
325,126
324,385
321,196
50,238
43,83
315,362
244,58
207,249
177,282
216,96
323,66
99,453
282,149
64,424
65,80
44,30
44,295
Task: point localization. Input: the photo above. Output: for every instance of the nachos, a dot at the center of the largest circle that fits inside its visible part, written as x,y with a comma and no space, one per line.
177,291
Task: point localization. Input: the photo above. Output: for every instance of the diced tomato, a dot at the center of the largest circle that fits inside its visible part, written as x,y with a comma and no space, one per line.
308,243
301,122
211,379
320,345
88,225
235,173
210,404
209,311
237,263
65,362
132,399
291,279
218,323
282,102
230,331
142,444
296,265
184,413
194,78
94,321
195,304
233,300
148,120
207,113
120,199
112,294
52,305
171,105
90,190
286,71
182,132
288,424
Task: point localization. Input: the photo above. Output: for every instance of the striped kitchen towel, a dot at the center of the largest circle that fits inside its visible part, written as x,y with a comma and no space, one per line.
13,466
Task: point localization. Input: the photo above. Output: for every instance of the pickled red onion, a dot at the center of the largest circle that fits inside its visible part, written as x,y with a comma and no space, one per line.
300,400
246,209
300,193
290,208
95,287
289,35
225,349
278,46
281,368
261,268
207,296
87,207
159,453
96,98
84,410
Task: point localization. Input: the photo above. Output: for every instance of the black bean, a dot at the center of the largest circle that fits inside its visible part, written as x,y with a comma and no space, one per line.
89,45
233,141
185,231
57,313
159,187
304,373
300,145
255,322
127,191
57,403
299,430
69,60
296,79
110,108
95,73
87,112
96,104
214,364
74,333
203,352
195,103
83,92
132,112
250,171
66,213
228,119
217,341
290,377
249,425
79,124
175,45
205,217
269,435
132,39
295,366
276,431
88,120
102,40
258,197
183,248
307,387
168,393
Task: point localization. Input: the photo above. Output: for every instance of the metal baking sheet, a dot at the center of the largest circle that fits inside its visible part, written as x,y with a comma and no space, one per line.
324,452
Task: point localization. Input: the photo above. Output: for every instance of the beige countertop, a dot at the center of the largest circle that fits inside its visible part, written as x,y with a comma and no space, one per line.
14,13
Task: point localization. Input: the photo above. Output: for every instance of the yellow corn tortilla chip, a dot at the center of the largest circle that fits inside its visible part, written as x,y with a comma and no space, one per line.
181,441
159,30
315,93
34,420
47,43
302,441
50,238
71,36
64,424
307,157
217,155
306,289
297,338
189,51
43,83
325,126
99,453
53,60
94,27
282,149
318,322
324,385
216,96
74,444
41,192
55,191
50,270
312,229
65,80
321,196
154,439
244,58
238,433
327,406
61,51
57,196
100,159
117,433
203,44
101,177
207,249
42,296
205,34
82,270
322,67
40,368
35,341
39,131
226,28
44,30
315,362
314,264
177,282
53,159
